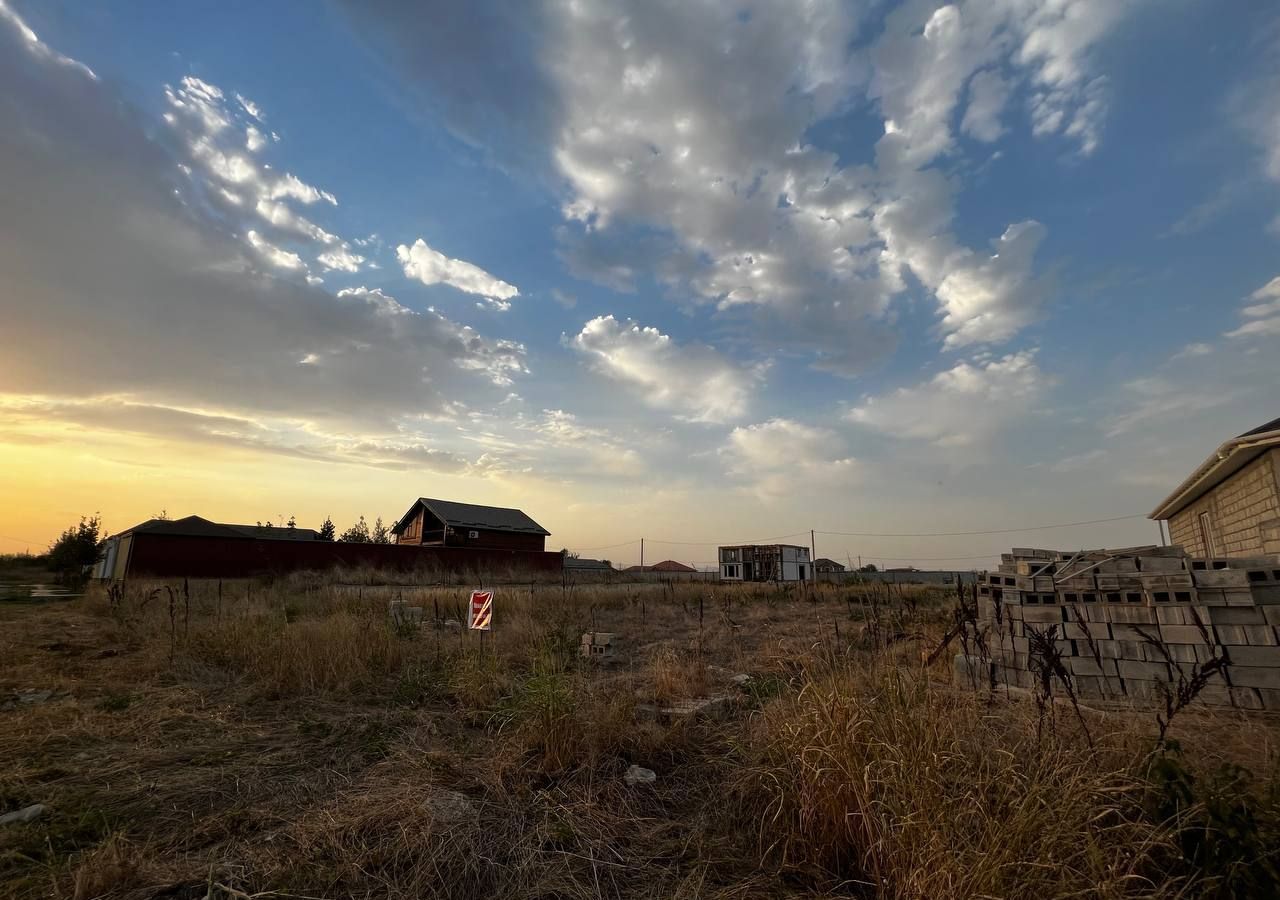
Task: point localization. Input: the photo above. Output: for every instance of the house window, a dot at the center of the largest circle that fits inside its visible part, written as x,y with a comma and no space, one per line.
730,571
1206,535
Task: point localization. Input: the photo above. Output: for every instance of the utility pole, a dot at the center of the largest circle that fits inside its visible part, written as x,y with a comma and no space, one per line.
813,552
642,554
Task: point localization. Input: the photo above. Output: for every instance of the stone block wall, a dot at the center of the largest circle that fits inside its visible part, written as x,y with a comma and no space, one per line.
1238,510
1126,622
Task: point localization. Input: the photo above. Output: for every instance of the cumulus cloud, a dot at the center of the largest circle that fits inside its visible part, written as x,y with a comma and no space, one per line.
430,266
693,380
166,305
683,136
784,456
962,406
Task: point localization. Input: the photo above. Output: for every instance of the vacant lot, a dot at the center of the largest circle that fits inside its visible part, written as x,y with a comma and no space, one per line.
289,739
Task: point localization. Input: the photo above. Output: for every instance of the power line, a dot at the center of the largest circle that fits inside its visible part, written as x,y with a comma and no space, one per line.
967,533
608,546
727,543
9,537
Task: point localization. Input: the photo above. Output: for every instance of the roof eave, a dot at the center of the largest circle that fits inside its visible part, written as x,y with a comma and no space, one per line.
1201,480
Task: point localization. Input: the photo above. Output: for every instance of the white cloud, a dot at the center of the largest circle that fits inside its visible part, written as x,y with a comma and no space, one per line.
430,266
992,299
962,406
1261,315
281,259
341,258
163,255
988,93
781,457
693,380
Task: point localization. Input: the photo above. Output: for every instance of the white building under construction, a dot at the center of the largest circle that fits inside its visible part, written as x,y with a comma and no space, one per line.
765,562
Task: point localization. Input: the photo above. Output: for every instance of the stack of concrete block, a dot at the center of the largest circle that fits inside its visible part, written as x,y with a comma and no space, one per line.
1128,621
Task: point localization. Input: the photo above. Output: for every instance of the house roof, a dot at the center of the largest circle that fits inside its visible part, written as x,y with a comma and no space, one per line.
828,562
571,562
1229,458
195,526
471,515
670,565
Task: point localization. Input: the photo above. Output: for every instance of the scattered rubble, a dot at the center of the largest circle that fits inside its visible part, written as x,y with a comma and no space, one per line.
639,775
24,815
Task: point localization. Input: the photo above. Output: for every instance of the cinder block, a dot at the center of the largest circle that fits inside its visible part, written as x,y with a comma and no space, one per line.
1077,631
1051,615
1234,635
1270,698
1265,595
1066,648
1214,695
1167,582
1122,564
1146,690
1235,615
1253,656
1106,649
1136,633
1253,676
1133,615
1245,698
1184,634
1186,653
1271,614
1160,564
1010,642
1172,615
1083,665
1221,578
1132,669
1260,635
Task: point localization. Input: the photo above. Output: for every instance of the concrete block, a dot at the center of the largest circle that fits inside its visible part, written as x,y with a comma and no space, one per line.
1245,698
1106,649
1214,695
1235,615
1184,634
1133,615
1051,615
1234,635
1167,581
1260,635
598,644
1135,633
1253,676
1083,665
1253,656
1134,670
1271,614
1265,595
1009,642
1077,631
1172,615
1221,578
1185,653
1147,691
1122,565
1270,698
1160,564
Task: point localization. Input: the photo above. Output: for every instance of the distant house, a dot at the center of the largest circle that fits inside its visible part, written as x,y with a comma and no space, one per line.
765,562
1230,505
824,566
447,523
670,566
579,564
114,562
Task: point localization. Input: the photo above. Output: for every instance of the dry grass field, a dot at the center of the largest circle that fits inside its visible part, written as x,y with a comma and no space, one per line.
289,740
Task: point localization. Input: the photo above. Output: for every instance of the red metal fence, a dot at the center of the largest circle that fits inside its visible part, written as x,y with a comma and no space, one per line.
177,556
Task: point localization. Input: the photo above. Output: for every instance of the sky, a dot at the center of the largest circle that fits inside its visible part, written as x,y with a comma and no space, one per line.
697,272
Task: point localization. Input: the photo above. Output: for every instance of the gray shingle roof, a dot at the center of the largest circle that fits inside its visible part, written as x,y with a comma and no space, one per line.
195,526
471,515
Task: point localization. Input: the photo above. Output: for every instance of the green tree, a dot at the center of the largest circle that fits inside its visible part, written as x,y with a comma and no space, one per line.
357,533
380,533
327,530
77,548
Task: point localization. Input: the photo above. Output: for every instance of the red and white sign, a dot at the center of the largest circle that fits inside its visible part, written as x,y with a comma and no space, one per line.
480,613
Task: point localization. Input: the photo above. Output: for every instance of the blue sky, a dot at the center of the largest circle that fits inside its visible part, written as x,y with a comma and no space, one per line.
646,268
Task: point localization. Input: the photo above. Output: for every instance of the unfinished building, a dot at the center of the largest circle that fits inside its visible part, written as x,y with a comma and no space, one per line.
765,562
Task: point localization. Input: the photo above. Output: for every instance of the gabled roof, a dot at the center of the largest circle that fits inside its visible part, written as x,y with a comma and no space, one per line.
195,526
670,565
828,562
573,562
471,515
1224,462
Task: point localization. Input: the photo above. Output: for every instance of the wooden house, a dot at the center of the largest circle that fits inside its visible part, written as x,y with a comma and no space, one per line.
447,523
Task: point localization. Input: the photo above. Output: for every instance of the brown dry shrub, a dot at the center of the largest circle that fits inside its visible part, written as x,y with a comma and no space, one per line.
877,779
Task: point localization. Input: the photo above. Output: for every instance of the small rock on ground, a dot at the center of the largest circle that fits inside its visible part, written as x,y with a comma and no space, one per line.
640,775
24,815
